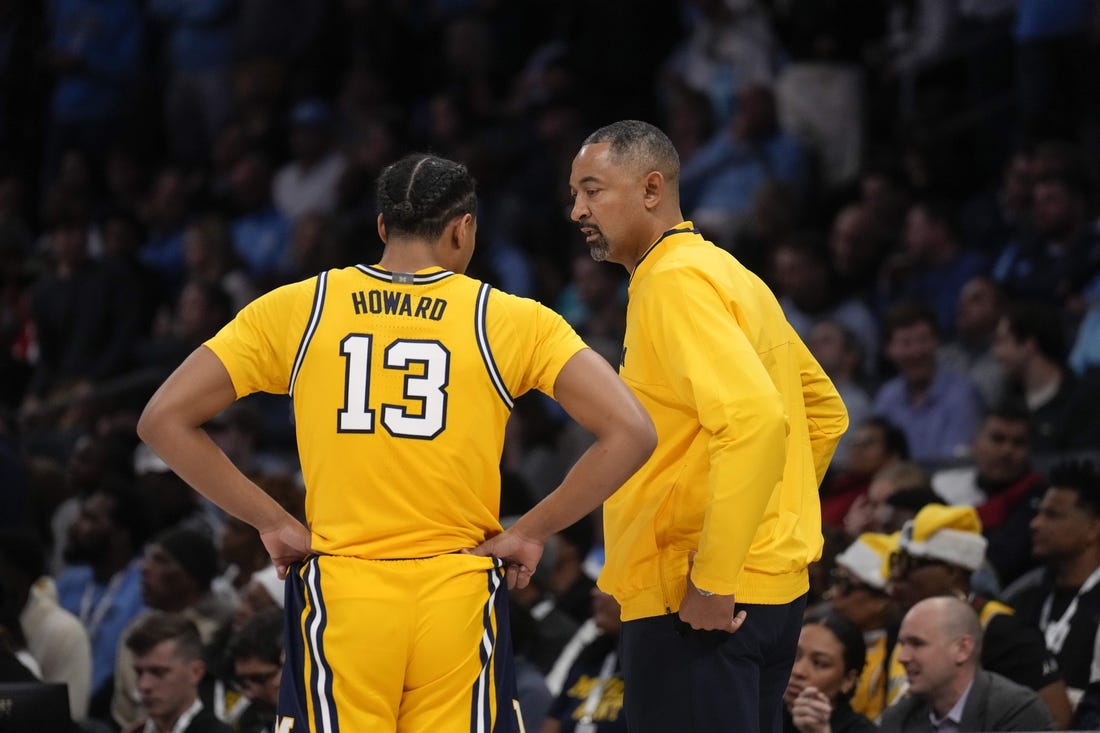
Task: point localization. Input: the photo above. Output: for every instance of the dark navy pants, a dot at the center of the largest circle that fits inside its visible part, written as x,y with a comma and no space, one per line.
677,679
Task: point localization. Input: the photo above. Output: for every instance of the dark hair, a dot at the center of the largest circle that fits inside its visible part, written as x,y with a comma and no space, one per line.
159,626
849,636
893,437
1041,323
1082,478
22,550
940,212
639,145
421,194
261,637
129,510
193,551
1009,410
906,313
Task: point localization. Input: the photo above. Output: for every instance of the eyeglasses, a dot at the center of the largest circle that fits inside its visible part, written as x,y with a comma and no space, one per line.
259,679
902,563
843,584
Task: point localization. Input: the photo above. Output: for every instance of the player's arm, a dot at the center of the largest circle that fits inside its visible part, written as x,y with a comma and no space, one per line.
593,395
171,425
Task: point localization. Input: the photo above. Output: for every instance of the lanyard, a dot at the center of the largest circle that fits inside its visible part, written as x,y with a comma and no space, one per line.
92,617
593,699
1057,631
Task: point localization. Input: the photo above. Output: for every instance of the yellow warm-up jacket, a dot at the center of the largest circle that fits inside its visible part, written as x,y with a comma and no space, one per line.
747,422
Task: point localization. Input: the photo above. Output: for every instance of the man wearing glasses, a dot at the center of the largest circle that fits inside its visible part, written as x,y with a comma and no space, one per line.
937,553
257,655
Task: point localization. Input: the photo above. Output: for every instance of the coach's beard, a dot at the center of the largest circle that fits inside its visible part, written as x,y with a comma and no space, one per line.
598,248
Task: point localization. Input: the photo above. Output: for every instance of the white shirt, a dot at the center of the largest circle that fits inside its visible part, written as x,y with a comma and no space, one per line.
183,721
299,191
59,644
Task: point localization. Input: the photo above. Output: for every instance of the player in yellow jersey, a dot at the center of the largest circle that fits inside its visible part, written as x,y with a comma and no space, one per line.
726,510
402,375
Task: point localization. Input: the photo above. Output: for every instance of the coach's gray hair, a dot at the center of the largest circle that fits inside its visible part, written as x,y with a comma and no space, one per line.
641,146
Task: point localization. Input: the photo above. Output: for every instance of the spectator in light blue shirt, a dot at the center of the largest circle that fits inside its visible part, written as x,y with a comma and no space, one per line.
103,586
938,409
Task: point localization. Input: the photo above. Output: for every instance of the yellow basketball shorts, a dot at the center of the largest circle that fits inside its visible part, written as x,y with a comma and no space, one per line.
415,646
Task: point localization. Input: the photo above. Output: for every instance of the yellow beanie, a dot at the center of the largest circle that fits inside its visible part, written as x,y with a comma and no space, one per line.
949,533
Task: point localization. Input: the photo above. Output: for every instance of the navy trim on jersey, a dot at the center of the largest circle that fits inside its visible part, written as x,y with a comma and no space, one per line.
387,276
320,682
311,328
660,239
483,346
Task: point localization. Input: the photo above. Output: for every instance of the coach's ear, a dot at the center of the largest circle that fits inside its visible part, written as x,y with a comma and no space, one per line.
381,229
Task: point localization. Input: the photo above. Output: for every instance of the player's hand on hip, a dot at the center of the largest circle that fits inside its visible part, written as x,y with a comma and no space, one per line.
520,554
287,543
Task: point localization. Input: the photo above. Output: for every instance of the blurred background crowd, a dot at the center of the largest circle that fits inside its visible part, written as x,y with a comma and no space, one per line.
916,180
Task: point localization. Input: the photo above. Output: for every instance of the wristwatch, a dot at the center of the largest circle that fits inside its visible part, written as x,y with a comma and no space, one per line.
705,593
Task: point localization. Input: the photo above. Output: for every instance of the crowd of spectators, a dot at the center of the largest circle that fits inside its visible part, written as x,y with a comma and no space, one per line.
915,179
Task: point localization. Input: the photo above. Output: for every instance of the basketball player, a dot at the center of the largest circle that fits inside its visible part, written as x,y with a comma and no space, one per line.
402,375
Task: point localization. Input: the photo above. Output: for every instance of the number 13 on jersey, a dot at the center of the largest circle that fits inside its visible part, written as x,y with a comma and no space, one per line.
427,365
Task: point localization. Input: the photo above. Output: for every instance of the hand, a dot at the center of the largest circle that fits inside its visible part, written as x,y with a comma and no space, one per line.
811,711
860,516
520,553
287,543
709,613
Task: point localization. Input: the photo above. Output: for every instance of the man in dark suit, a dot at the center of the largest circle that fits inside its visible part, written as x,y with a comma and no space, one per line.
940,645
168,662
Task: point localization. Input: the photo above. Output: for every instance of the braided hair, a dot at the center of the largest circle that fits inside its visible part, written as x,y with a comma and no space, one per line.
421,194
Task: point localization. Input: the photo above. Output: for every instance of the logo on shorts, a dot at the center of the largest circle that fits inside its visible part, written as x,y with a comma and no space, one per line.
284,724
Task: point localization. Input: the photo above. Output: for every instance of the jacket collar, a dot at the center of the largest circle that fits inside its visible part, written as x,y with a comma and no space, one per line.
685,231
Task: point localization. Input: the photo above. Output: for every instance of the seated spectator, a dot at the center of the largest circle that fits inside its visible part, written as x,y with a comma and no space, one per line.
243,555
1062,598
262,593
837,350
934,264
719,181
827,664
904,505
1055,260
591,700
940,646
308,183
1003,486
261,235
176,573
554,627
806,288
102,586
876,443
1085,352
937,554
938,408
569,582
977,313
166,651
257,654
858,592
55,638
208,256
870,513
1031,347
84,320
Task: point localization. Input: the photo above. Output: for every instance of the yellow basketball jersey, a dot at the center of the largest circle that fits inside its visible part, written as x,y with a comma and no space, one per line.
402,385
